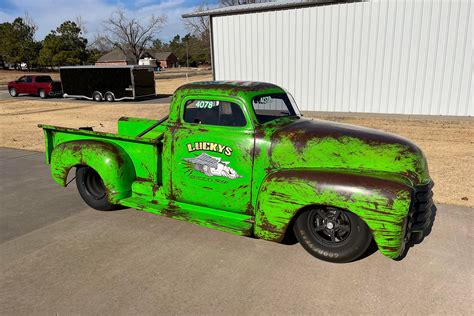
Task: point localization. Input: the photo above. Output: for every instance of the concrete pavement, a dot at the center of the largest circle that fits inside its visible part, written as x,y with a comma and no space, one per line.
60,257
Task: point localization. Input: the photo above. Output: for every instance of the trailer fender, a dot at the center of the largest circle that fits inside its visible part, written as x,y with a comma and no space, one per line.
383,204
110,161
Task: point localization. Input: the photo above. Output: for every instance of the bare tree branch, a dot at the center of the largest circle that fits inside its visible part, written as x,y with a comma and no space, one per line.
131,35
28,20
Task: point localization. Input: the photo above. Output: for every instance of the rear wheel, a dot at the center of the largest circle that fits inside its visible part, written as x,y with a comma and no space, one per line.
42,94
92,189
97,96
13,92
109,96
332,234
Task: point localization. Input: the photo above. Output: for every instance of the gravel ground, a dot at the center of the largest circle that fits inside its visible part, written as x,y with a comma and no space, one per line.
447,143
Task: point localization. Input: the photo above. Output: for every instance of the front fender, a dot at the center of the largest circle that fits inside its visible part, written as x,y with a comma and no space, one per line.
110,161
382,204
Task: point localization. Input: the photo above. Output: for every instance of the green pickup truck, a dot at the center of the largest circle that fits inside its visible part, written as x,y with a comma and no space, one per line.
239,157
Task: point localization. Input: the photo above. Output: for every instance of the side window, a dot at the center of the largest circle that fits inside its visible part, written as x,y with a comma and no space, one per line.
29,79
22,79
209,112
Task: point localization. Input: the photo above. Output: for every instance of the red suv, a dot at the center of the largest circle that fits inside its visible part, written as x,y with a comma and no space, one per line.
40,85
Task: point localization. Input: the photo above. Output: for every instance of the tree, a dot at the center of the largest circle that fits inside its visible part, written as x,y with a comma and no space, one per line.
64,46
17,44
198,44
130,34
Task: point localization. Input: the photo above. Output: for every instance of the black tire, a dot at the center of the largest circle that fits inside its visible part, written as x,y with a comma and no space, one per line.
109,97
332,234
42,94
92,189
97,96
13,92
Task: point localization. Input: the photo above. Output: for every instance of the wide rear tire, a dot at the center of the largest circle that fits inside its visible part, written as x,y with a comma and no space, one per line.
92,189
332,234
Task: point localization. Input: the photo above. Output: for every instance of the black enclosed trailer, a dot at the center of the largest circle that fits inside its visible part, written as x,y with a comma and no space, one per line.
110,83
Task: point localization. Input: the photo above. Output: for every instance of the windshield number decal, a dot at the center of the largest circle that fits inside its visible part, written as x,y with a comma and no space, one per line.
265,100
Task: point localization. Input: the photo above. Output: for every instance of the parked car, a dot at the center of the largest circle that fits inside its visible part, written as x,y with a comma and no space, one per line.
239,157
110,83
41,85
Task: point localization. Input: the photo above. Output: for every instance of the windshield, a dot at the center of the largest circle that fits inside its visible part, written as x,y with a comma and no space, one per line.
269,107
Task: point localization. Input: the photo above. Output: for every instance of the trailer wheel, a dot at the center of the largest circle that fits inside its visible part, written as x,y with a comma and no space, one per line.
109,96
332,234
92,189
97,96
13,92
42,94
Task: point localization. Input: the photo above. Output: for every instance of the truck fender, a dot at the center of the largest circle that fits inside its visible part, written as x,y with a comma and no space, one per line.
109,160
383,204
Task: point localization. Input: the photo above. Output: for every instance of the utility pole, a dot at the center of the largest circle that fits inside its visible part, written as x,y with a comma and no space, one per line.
187,53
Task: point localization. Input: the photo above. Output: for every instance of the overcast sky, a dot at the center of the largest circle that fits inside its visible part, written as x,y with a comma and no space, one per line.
49,14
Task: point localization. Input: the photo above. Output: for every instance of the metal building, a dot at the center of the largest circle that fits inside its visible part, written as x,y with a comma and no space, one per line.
405,57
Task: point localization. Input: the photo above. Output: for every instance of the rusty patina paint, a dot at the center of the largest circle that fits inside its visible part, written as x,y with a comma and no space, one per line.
382,204
285,166
111,162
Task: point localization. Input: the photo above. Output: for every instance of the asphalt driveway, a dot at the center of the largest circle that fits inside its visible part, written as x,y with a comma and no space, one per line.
158,99
60,257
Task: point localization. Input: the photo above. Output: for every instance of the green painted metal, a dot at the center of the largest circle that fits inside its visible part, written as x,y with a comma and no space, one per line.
263,174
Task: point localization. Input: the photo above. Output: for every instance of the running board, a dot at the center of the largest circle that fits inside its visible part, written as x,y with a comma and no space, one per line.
239,224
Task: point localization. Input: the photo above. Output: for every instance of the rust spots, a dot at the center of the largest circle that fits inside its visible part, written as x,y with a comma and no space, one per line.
300,132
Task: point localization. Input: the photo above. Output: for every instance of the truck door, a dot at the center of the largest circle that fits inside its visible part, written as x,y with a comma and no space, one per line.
29,85
212,154
20,85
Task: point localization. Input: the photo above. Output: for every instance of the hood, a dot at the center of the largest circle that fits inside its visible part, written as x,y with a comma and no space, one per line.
322,144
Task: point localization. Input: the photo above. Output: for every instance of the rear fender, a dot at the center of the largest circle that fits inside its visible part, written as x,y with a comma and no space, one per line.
382,204
110,161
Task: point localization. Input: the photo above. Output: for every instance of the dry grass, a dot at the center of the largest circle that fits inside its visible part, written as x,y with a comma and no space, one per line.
168,86
448,144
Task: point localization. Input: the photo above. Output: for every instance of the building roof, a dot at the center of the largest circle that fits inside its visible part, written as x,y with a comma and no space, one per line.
266,6
116,55
158,55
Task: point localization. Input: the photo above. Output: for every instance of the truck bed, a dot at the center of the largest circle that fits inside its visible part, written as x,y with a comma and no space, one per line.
144,152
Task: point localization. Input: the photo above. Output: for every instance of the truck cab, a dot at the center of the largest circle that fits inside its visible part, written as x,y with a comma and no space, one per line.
239,157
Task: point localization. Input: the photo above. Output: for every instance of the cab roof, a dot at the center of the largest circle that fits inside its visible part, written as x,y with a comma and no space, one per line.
244,86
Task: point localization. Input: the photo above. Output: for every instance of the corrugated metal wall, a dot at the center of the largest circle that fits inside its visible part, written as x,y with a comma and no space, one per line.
407,57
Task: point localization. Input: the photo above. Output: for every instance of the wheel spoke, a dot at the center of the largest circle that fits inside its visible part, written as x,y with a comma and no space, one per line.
336,215
321,213
344,228
320,227
333,237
